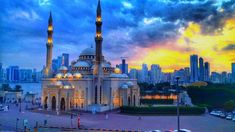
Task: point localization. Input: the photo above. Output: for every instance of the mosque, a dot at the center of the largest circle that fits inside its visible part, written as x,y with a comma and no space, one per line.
90,83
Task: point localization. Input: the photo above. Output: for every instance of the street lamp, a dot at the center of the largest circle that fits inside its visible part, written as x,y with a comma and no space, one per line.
20,104
17,120
178,111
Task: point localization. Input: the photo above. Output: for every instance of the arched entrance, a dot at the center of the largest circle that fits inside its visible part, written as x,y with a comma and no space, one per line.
62,104
53,104
134,100
129,101
96,94
45,103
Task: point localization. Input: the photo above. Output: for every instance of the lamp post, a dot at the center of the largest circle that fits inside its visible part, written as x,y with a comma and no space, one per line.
178,111
17,120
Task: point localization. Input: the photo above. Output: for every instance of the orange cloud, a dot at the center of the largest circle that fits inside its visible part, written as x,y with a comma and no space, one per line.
174,54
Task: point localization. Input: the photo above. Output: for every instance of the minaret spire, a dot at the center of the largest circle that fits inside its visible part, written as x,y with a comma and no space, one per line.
98,70
49,46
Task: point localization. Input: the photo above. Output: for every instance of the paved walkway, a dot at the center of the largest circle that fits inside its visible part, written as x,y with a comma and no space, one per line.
205,123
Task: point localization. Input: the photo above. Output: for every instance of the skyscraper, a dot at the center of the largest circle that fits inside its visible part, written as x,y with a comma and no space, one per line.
201,69
155,74
25,75
193,68
207,71
124,66
65,59
13,73
133,74
233,72
144,73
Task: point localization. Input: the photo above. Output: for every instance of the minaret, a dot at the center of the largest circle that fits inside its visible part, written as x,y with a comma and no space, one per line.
98,70
49,46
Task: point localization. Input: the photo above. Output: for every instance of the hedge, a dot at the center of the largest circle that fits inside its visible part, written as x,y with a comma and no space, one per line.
163,110
156,101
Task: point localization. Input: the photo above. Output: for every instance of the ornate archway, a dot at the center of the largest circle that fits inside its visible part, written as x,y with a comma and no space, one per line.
45,102
129,100
53,103
62,104
134,100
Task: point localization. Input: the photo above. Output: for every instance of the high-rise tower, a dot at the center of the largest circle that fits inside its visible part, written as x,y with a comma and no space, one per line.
201,69
98,71
49,46
194,68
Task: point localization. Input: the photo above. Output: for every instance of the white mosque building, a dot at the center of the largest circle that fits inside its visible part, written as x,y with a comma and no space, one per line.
90,84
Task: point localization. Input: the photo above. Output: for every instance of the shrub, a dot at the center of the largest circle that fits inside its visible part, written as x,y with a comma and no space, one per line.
163,110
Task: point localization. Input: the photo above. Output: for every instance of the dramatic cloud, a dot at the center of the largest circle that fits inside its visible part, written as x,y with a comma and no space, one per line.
164,32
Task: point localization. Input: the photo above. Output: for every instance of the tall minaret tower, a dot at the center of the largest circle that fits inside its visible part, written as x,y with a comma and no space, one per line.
49,46
98,71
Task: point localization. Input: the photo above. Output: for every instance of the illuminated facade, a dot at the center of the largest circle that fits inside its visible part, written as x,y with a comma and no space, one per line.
91,83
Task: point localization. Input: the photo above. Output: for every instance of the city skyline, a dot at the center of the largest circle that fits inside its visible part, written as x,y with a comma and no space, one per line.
167,39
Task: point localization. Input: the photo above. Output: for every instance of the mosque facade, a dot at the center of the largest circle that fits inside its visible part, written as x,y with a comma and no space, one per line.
90,83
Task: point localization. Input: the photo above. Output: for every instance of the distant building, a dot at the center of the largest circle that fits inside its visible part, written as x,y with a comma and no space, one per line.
9,95
215,77
124,67
233,72
143,75
13,74
194,68
25,75
201,69
155,74
224,77
65,59
2,74
133,74
207,72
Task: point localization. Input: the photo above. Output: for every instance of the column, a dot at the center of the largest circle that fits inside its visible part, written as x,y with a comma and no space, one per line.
48,101
58,101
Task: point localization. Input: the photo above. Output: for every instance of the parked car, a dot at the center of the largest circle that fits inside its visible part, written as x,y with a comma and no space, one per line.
222,115
229,116
233,118
155,131
183,130
1,108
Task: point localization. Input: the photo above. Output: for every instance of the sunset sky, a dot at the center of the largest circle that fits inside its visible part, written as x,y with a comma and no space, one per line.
164,32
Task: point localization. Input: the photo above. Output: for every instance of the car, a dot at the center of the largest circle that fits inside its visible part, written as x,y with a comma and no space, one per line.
155,131
183,130
229,116
222,115
233,118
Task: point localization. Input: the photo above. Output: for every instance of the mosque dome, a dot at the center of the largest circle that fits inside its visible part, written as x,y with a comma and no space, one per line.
77,75
88,51
59,75
130,84
106,65
63,68
81,64
117,71
124,86
68,75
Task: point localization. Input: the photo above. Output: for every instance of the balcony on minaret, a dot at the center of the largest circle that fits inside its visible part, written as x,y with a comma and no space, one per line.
98,35
50,28
49,41
98,19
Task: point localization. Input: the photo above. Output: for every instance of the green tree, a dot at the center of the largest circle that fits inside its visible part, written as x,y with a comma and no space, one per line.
229,105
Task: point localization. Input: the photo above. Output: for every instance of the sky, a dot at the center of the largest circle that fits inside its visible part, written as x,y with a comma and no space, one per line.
164,32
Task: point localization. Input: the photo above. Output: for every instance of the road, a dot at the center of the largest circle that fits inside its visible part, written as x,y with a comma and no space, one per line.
204,123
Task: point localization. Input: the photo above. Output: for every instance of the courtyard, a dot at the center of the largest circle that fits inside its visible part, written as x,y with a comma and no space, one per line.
115,121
